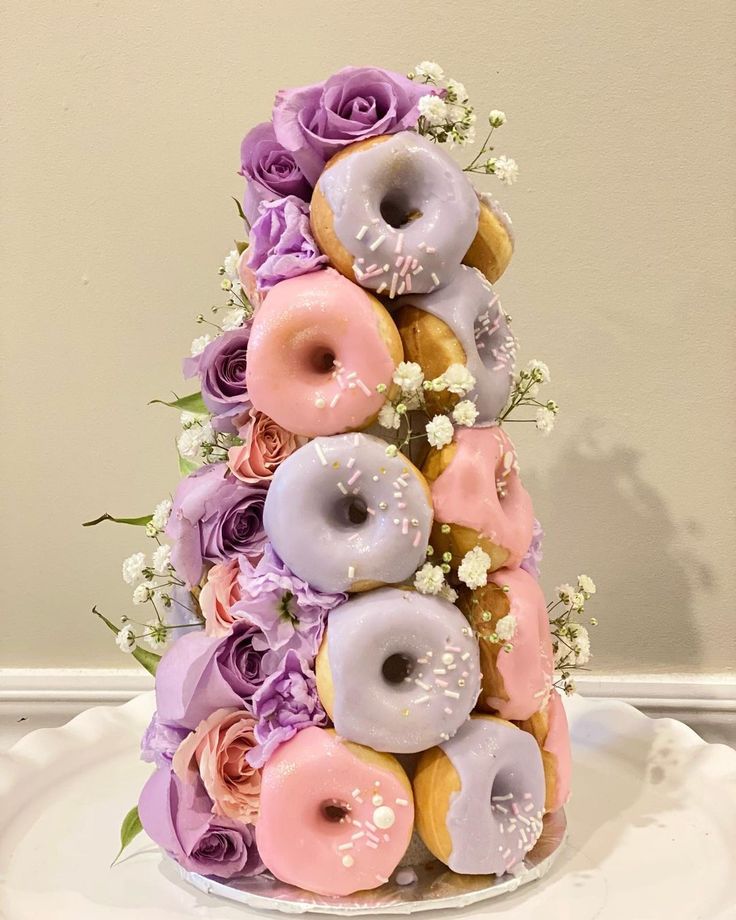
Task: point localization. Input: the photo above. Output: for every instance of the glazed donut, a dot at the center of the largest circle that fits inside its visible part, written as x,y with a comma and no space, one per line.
397,670
334,817
478,497
461,323
479,797
516,682
394,213
491,250
345,517
318,348
549,727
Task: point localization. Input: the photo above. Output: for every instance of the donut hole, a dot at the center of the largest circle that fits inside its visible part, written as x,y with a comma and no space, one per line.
321,359
334,811
501,789
351,512
397,667
397,210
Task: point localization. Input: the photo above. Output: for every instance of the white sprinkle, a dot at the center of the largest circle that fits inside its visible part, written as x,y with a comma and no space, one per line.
452,694
345,846
435,278
420,683
351,571
377,242
399,243
358,835
361,386
422,699
320,453
439,670
381,288
502,798
402,802
335,400
502,808
362,232
394,282
371,827
342,488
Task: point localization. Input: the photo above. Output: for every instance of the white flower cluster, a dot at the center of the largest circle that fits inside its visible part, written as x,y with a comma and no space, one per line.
197,433
526,387
447,115
473,569
503,168
142,576
430,579
576,596
229,271
571,646
570,639
159,518
199,344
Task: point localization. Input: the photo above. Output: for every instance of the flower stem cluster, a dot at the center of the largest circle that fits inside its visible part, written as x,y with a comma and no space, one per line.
570,639
445,113
524,393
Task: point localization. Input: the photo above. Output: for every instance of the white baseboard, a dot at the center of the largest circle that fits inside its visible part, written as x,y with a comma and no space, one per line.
32,698
701,692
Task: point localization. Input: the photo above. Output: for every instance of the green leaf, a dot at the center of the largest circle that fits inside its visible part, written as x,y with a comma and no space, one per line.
147,660
187,466
129,830
192,403
136,522
241,213
241,246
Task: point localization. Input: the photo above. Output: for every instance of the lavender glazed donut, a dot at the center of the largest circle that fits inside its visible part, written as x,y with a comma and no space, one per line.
394,213
398,670
318,348
478,497
461,323
479,798
345,517
334,817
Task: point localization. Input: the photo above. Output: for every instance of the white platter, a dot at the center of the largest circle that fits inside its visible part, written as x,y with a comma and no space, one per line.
652,827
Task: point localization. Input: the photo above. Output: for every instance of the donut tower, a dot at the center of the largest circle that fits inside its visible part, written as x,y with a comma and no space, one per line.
388,362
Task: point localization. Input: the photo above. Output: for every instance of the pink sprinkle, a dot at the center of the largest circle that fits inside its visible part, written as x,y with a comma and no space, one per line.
394,282
371,844
407,281
369,511
355,477
430,249
441,683
515,809
401,505
417,538
405,526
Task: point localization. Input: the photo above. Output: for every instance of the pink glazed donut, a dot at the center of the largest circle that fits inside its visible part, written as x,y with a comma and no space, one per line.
478,498
318,348
334,817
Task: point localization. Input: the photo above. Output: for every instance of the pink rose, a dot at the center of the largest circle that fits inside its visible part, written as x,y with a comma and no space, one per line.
248,280
265,446
215,753
217,597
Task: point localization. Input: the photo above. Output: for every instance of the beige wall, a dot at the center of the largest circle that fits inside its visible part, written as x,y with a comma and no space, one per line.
119,149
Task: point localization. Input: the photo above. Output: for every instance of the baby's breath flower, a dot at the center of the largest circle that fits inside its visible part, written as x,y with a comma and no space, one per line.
409,376
157,635
458,379
199,344
447,593
433,108
506,627
125,640
391,450
545,420
506,169
226,284
537,370
465,413
456,91
133,568
565,593
233,319
586,584
141,595
430,579
573,646
429,70
161,514
388,417
473,570
578,600
439,431
496,118
230,264
162,557
381,388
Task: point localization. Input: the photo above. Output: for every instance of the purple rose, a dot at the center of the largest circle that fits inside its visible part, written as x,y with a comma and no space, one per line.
160,741
221,369
315,122
281,243
531,561
200,674
270,169
289,613
178,817
286,703
214,518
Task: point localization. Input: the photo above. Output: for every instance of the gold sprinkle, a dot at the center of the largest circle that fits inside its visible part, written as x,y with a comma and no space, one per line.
336,465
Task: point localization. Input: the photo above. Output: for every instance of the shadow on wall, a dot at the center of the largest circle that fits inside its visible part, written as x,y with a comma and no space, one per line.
617,528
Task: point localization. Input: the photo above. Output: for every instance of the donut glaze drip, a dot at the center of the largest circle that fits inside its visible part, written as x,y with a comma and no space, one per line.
501,786
414,708
465,493
404,211
469,306
343,516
